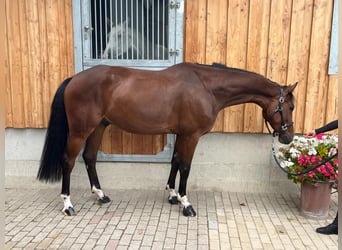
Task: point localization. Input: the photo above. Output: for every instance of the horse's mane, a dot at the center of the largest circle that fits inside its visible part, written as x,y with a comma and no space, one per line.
224,67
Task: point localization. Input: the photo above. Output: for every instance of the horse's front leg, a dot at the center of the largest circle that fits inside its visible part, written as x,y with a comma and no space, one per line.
185,148
90,156
184,170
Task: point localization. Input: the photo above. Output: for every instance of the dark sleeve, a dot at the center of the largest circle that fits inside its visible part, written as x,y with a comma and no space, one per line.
330,126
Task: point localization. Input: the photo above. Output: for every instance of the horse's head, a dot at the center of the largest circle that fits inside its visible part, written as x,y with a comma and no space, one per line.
119,40
279,114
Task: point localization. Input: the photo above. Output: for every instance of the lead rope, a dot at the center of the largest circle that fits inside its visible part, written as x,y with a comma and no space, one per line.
300,173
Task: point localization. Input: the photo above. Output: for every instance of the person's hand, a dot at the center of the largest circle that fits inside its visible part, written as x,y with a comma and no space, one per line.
333,151
311,134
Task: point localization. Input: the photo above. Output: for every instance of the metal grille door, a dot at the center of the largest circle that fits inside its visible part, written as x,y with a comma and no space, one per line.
129,29
136,33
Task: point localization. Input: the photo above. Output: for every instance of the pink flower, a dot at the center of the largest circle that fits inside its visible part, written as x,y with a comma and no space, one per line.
319,136
301,160
307,159
325,173
314,159
329,166
311,174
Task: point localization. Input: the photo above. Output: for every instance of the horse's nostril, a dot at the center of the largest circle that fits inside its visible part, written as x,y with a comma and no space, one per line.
285,138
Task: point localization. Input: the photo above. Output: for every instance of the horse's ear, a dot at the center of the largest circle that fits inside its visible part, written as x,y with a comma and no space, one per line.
109,23
290,88
128,22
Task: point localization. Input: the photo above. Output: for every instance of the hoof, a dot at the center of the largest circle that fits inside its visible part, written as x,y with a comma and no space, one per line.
104,199
69,211
189,211
173,200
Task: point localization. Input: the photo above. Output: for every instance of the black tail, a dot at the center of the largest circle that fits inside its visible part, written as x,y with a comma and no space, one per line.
52,160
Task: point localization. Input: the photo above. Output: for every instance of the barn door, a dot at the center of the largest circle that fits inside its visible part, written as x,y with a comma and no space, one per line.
145,34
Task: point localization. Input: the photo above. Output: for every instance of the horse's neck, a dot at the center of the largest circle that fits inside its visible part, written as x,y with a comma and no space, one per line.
247,89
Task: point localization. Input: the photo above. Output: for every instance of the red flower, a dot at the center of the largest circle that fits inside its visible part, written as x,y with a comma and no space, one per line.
329,166
319,136
311,174
314,159
301,160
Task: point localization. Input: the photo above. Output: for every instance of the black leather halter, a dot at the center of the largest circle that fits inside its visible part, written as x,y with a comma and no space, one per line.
279,109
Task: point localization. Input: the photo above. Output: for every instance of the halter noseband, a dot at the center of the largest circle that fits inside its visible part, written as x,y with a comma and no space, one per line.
284,126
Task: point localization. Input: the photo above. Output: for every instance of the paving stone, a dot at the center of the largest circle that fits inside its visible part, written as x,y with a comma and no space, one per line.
145,220
169,243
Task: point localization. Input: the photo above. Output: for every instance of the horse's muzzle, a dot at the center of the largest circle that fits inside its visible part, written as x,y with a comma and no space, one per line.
285,138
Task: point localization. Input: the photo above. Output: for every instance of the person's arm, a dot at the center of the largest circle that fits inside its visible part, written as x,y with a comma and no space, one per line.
330,126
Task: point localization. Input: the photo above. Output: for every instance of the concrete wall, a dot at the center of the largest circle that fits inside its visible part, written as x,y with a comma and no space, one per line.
223,161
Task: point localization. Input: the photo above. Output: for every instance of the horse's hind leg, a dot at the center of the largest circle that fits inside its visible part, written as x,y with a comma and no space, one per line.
73,148
90,156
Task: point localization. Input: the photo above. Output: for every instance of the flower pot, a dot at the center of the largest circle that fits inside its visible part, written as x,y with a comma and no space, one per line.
315,199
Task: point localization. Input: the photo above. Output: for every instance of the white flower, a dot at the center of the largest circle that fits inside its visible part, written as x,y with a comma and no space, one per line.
312,151
294,152
285,164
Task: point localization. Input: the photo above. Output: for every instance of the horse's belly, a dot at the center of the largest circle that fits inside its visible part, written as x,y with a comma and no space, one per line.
141,124
143,127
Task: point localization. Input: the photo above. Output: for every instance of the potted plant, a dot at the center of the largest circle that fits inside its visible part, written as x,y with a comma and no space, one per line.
303,154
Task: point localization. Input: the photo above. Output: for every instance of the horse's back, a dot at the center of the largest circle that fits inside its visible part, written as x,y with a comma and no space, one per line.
107,83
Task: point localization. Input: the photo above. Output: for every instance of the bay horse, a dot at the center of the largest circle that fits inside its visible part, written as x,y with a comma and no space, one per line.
183,99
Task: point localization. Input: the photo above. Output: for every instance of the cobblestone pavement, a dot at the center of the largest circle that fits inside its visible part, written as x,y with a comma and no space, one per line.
145,220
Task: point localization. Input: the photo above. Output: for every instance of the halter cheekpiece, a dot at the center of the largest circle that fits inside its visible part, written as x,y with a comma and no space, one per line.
279,109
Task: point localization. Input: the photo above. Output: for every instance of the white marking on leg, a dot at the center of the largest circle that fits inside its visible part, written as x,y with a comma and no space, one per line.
171,191
98,192
67,202
183,200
